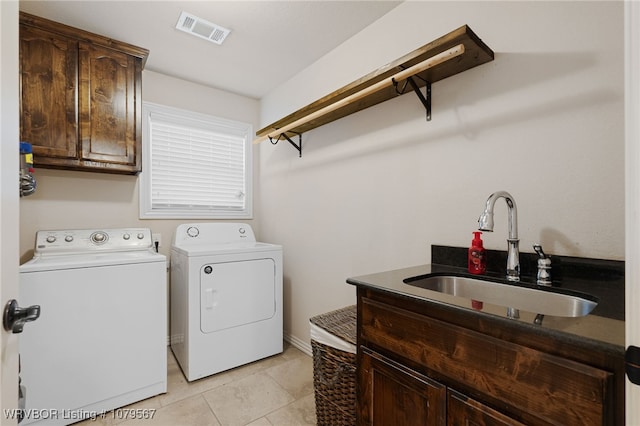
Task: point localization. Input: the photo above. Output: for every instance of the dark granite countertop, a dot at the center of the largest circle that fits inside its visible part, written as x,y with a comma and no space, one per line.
602,279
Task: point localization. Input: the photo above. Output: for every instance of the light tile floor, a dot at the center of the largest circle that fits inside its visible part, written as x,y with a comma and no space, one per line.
274,391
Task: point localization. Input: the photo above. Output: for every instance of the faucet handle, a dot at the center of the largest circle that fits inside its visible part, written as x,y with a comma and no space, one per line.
544,267
538,249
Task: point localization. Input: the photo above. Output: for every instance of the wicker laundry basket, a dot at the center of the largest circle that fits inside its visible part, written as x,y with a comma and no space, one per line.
333,341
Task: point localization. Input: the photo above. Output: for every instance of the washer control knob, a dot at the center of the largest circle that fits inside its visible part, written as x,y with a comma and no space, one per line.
99,237
51,239
140,236
68,238
242,230
126,236
192,231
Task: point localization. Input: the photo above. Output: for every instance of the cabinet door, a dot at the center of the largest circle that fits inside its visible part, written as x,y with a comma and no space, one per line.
392,394
110,96
48,107
462,410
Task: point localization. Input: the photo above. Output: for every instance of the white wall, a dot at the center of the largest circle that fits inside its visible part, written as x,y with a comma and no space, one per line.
75,200
374,190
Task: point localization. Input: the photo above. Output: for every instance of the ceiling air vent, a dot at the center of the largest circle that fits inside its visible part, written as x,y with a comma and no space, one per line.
201,28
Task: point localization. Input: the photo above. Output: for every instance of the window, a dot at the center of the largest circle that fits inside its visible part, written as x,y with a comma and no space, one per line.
195,166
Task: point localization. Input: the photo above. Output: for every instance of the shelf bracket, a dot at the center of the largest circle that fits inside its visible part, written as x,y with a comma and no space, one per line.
297,146
425,99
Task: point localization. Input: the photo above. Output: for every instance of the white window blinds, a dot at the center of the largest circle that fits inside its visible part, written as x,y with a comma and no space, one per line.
197,166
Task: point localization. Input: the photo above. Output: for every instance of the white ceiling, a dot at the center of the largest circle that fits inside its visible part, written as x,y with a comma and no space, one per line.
270,41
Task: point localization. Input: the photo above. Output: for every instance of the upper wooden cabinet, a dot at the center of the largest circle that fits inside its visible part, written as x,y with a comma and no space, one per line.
80,98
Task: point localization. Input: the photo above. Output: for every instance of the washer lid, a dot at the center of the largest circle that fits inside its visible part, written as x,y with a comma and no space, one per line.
90,260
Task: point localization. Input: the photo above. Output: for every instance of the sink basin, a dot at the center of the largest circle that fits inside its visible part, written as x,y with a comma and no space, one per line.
544,301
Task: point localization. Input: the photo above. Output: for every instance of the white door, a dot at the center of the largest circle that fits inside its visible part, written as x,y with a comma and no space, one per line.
9,151
632,249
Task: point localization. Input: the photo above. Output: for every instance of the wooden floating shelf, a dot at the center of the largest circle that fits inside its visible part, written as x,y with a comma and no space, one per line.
346,100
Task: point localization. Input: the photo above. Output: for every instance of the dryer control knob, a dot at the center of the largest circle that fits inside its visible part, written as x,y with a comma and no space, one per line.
51,239
140,236
68,238
126,236
192,231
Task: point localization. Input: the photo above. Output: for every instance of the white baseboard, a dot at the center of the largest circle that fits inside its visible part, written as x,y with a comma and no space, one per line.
299,343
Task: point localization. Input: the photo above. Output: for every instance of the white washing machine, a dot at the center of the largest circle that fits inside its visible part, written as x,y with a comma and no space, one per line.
101,340
226,298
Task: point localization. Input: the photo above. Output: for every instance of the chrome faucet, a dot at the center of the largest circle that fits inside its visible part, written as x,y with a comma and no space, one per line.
485,223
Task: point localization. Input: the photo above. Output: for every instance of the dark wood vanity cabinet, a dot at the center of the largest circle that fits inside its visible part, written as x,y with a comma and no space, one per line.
425,364
80,98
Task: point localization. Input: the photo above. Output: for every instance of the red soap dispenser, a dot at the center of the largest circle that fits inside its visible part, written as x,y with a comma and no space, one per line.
477,260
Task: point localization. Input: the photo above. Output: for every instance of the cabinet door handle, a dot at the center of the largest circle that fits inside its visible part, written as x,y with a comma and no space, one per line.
632,358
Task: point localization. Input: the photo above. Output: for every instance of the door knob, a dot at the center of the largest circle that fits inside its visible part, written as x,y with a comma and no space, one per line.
15,317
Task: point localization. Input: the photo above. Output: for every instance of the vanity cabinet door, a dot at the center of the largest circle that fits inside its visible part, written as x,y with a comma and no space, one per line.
462,410
48,85
392,394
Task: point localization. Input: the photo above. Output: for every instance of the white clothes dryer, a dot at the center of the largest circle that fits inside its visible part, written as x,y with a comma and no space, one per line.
226,298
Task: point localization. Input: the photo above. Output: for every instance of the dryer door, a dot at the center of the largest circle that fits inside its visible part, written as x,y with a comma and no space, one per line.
233,294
